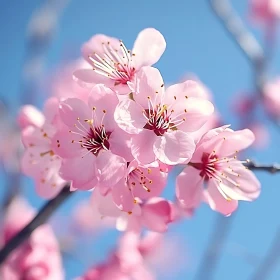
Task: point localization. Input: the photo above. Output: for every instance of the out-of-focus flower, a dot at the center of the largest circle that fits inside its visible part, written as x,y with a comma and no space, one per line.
132,259
155,213
39,160
88,220
36,259
271,98
162,119
265,11
114,65
214,164
62,84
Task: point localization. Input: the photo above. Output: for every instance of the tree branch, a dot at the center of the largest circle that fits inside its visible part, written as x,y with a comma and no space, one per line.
270,261
271,168
237,31
43,215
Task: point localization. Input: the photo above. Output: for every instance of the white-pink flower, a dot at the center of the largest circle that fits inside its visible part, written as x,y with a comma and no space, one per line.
94,149
160,120
114,65
214,166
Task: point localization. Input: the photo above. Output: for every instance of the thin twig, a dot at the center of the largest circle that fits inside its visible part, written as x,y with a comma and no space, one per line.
271,168
214,249
42,216
270,260
237,31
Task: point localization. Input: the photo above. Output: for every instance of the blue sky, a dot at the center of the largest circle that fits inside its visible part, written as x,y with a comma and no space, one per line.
196,43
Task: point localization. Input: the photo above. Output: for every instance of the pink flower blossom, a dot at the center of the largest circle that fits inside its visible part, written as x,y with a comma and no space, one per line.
265,10
155,213
94,149
160,120
139,182
214,164
271,98
36,259
114,65
62,84
39,160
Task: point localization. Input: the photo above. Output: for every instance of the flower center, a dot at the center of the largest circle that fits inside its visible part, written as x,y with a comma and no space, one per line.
97,139
157,119
116,64
208,166
137,176
94,138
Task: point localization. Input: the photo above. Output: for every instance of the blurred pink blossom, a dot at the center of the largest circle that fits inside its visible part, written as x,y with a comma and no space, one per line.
36,259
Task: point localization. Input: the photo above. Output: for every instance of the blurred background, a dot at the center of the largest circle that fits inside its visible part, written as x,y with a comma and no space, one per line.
36,37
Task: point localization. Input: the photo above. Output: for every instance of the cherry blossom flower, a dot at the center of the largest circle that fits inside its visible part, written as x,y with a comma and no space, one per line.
114,65
39,160
94,149
214,164
160,120
36,259
155,213
139,182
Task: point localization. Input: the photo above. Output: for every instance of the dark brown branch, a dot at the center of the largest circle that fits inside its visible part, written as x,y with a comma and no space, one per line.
43,215
271,168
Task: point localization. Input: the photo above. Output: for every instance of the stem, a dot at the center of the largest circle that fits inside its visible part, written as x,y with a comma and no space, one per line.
43,215
271,168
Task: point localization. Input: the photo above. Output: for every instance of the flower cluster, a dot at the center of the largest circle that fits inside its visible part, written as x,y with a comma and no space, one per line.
119,131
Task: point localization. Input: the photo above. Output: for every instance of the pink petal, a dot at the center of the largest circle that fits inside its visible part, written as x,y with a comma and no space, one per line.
111,168
95,45
149,85
51,187
217,202
189,188
73,110
51,108
103,102
174,148
79,170
142,146
236,141
120,144
122,196
155,182
104,204
87,77
129,116
248,187
66,144
148,47
30,115
156,214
